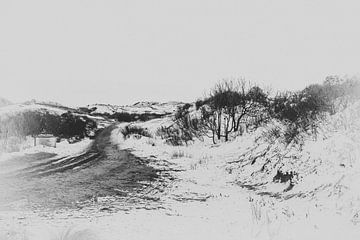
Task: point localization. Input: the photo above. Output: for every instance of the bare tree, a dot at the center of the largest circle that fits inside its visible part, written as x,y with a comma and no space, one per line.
234,102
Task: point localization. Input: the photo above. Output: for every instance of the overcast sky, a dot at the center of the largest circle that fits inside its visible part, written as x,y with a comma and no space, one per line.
79,52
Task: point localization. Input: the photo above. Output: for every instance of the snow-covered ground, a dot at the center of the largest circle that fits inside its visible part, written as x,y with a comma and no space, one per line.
13,109
227,191
140,107
20,144
64,148
325,198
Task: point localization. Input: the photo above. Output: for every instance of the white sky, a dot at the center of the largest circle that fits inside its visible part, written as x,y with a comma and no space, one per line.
79,52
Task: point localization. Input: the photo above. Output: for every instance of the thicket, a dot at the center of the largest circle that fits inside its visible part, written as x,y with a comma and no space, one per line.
32,123
184,130
134,130
175,136
233,107
132,117
230,107
301,111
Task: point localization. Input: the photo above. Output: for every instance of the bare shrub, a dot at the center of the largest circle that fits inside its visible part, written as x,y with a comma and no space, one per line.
174,136
123,117
15,128
203,161
231,104
199,103
179,154
134,130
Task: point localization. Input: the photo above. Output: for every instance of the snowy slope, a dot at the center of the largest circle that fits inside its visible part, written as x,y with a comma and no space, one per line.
139,108
319,197
52,108
257,157
18,108
227,190
319,164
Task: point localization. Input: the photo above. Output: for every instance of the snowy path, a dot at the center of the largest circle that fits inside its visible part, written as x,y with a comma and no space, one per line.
154,192
43,180
112,193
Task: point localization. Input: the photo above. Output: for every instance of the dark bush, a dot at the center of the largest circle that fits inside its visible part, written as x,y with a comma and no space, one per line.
199,103
75,126
123,117
189,127
257,95
132,117
285,177
84,110
231,103
32,123
301,110
186,106
52,124
149,116
134,130
174,136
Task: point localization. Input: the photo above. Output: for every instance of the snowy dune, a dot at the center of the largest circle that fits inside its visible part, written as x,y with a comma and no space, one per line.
18,108
324,199
227,191
140,107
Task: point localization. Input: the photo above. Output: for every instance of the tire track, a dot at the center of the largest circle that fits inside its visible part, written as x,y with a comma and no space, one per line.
59,165
74,163
104,170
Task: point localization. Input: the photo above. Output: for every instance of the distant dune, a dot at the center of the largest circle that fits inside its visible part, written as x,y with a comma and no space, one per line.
139,108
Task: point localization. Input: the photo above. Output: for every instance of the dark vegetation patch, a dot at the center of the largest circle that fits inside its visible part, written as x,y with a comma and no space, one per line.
301,111
73,183
134,130
233,107
284,177
132,117
229,105
86,110
184,130
32,123
122,116
174,136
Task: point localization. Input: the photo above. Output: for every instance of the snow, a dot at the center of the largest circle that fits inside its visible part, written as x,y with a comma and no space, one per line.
64,148
139,108
13,109
324,202
226,191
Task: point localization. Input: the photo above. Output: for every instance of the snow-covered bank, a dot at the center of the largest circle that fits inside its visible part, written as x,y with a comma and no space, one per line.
64,148
231,217
139,108
225,191
320,198
13,109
